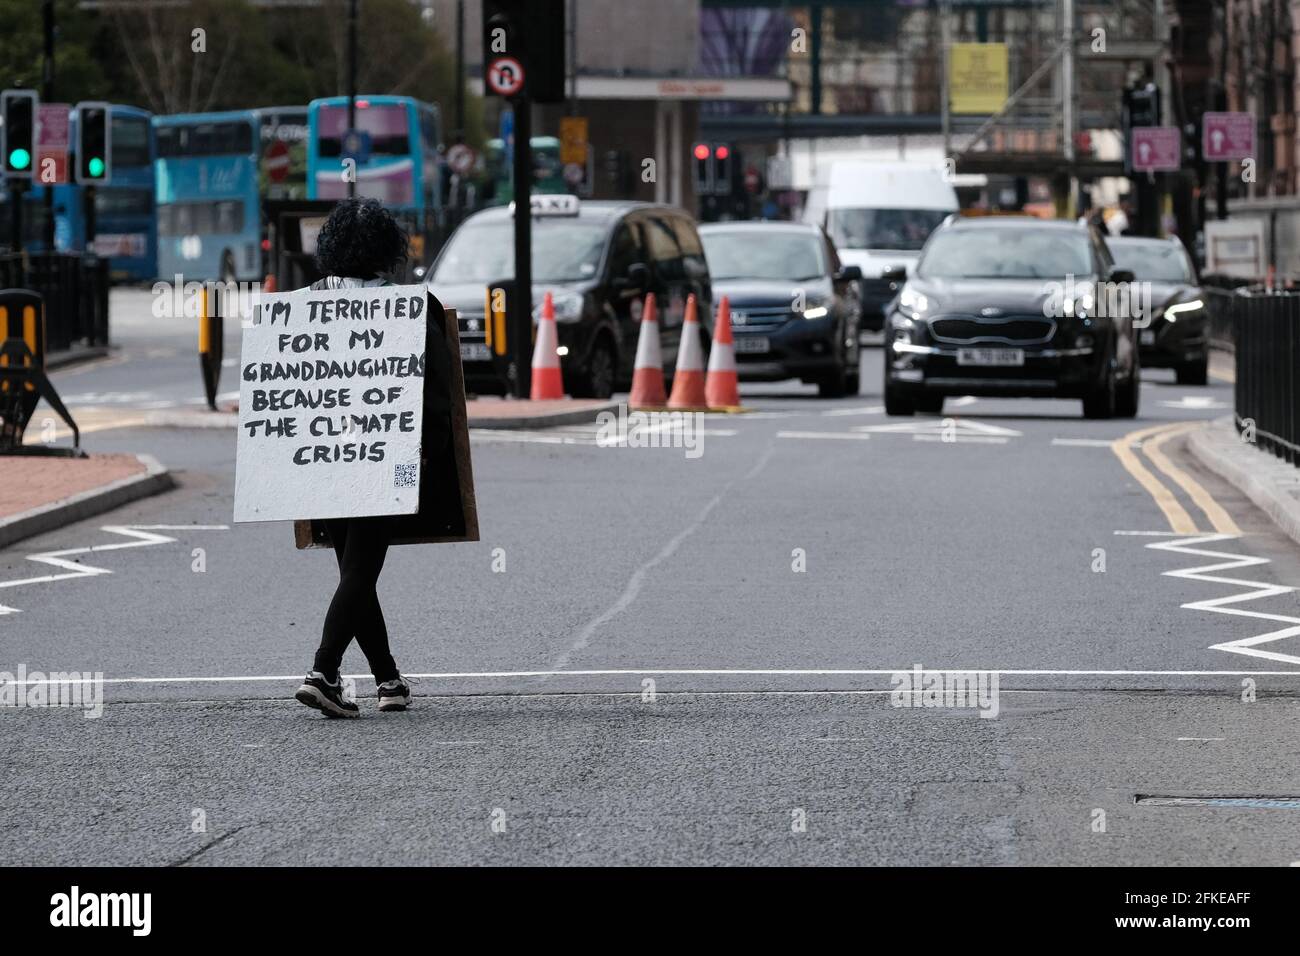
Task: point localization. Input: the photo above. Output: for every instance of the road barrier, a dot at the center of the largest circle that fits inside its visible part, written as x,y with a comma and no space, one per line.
23,382
74,288
1266,337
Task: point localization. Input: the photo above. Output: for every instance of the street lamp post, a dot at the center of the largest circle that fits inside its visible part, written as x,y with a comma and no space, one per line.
352,87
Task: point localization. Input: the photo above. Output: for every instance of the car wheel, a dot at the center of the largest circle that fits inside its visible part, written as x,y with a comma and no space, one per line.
1128,397
1194,373
897,403
1100,402
597,380
929,404
835,385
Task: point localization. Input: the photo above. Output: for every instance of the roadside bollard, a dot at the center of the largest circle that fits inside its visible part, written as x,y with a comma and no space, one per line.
211,338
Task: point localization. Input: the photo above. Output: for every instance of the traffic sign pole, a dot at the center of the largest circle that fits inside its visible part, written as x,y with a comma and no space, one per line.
521,319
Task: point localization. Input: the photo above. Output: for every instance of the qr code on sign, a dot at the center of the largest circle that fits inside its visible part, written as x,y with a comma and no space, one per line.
406,476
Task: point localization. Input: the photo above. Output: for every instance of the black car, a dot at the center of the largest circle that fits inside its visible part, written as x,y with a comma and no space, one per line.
1174,334
598,260
795,310
1011,306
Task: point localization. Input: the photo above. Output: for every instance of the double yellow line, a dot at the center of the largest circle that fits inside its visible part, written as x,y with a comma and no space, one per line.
1152,441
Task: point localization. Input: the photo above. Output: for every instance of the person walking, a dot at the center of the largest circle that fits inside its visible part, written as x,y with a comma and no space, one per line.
362,245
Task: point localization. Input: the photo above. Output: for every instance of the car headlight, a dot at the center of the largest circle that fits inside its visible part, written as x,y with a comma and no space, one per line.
568,307
913,301
1178,309
816,312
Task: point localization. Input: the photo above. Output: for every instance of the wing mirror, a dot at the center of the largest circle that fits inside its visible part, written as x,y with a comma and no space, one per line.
637,278
848,274
894,274
1121,275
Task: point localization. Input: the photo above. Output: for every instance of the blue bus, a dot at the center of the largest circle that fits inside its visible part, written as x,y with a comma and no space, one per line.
125,223
212,172
403,168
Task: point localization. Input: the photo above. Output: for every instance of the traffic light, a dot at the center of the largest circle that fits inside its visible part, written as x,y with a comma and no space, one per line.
532,32
722,167
703,165
713,164
19,108
1141,108
94,144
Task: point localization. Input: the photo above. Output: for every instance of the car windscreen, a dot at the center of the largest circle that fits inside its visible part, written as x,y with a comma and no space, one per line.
756,254
1153,262
563,251
905,229
1012,253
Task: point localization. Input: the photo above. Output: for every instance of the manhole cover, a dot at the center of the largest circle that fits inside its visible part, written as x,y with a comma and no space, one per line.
1241,803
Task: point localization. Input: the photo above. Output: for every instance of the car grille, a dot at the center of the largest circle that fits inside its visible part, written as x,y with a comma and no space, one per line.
876,292
1008,330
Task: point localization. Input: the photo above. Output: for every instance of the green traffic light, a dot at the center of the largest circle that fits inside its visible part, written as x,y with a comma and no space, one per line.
20,159
96,167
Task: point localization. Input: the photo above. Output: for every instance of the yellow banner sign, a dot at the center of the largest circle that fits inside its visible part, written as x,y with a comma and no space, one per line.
573,139
977,77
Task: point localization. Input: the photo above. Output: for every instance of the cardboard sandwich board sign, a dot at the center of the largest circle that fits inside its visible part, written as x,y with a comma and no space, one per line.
350,406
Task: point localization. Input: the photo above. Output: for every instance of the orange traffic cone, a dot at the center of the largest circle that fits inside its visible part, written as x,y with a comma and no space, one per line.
688,378
547,380
721,387
648,370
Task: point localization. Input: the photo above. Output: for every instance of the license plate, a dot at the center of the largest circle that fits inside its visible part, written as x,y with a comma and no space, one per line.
1148,337
752,344
991,357
474,352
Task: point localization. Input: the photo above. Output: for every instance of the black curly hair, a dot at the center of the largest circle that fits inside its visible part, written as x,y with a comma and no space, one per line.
360,240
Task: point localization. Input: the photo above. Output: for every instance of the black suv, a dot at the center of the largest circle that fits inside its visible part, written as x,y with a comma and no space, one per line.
598,260
1012,306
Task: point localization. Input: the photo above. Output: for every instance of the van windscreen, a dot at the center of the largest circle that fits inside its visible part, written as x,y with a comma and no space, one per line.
883,228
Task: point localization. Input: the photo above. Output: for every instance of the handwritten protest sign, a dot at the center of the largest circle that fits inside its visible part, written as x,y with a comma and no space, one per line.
330,404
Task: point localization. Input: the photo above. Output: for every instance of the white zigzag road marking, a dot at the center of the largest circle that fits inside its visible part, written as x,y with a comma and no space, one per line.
1256,591
143,534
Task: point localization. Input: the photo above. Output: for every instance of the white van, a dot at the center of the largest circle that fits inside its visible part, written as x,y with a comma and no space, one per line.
879,215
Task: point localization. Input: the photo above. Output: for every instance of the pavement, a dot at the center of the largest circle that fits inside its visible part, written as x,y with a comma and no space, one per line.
41,493
659,657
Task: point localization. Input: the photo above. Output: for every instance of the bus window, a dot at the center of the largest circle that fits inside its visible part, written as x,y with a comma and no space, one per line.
130,141
386,124
229,217
123,202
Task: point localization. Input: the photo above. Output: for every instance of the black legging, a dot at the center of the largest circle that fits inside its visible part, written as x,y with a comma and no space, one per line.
360,545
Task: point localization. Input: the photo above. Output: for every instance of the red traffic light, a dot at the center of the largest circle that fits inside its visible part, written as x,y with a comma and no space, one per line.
722,152
701,150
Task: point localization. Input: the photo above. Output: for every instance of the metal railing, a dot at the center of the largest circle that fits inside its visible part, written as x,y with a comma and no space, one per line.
1266,338
74,286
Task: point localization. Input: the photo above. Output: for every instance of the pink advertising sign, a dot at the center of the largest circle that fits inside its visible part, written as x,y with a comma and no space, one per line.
1156,149
1227,136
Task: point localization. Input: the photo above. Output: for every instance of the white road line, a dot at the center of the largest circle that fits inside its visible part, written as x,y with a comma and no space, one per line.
143,535
637,580
1086,442
963,439
682,672
832,435
861,410
1255,591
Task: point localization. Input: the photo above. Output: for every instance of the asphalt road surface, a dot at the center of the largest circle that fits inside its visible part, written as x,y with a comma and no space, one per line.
654,658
